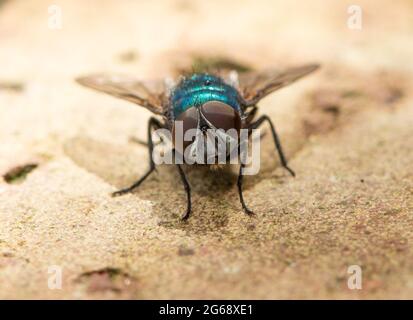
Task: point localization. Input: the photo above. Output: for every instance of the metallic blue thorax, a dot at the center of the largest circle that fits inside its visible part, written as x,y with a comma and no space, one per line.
201,88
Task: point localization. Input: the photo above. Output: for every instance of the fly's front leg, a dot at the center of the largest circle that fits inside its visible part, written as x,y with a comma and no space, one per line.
152,124
187,190
277,142
241,196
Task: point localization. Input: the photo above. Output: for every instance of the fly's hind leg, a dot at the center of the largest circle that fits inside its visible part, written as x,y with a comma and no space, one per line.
145,143
152,124
277,142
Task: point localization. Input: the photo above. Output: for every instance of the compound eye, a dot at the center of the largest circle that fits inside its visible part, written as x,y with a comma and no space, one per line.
189,120
221,115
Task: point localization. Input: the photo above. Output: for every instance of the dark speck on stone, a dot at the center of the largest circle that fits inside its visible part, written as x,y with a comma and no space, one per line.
183,251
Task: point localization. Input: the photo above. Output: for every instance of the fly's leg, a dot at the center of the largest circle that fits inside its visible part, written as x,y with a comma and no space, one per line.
152,124
144,143
255,125
277,142
249,115
187,190
241,197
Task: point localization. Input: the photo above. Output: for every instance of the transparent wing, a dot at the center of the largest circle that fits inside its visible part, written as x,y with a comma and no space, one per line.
254,86
149,94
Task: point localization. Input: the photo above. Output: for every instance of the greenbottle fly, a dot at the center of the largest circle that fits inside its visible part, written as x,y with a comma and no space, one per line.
219,99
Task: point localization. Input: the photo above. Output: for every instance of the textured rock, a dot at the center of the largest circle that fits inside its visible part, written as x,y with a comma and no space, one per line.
347,132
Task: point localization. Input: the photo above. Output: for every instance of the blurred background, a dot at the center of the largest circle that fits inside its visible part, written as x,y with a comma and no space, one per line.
347,131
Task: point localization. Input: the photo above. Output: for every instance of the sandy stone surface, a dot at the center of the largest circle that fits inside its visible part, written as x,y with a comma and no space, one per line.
347,131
